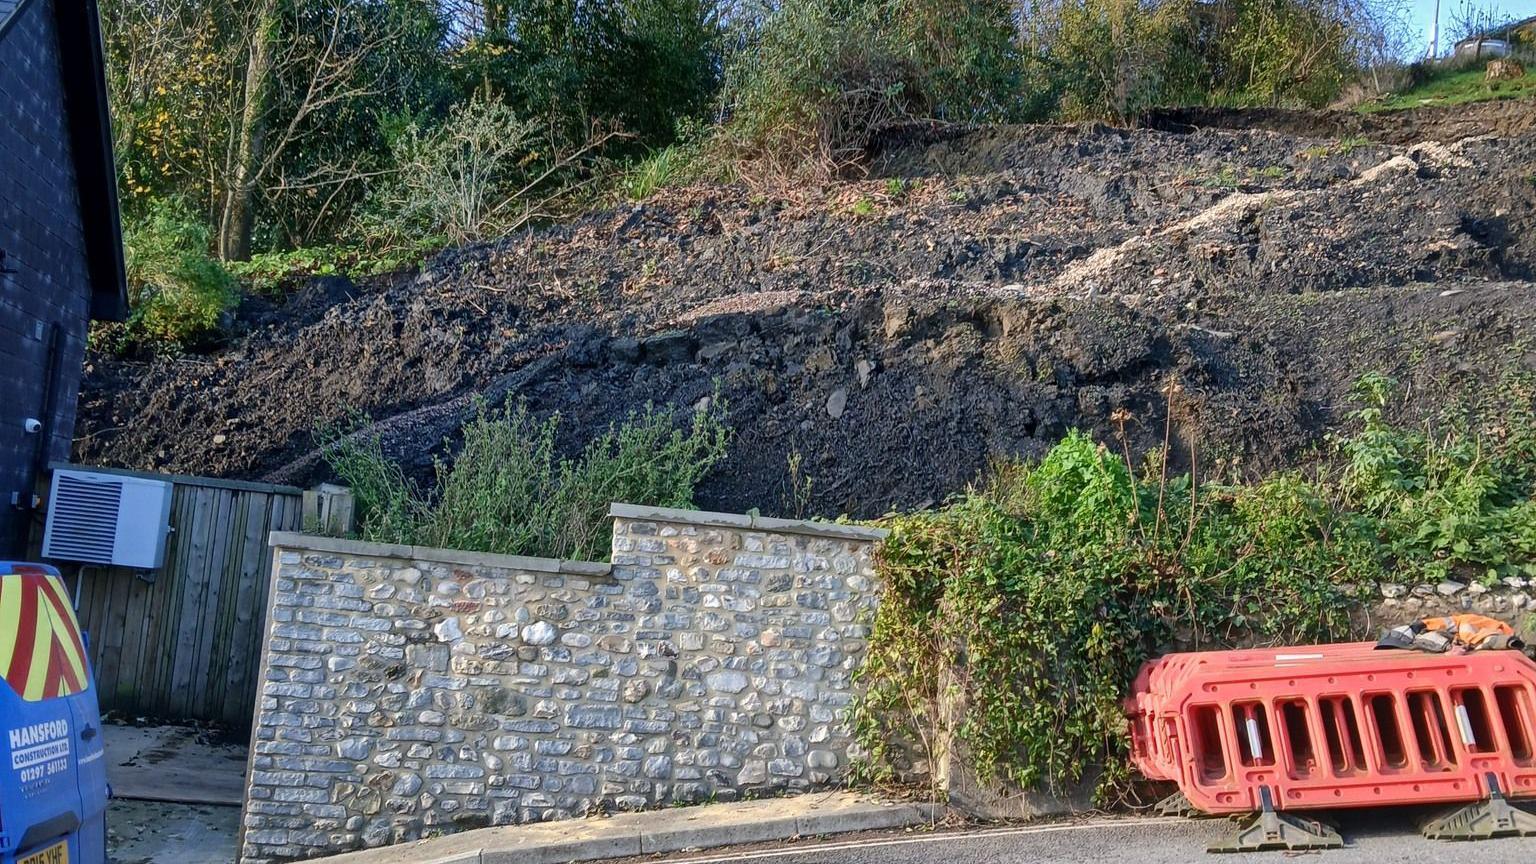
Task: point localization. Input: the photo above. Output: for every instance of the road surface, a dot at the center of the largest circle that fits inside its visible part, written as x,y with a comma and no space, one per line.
1370,838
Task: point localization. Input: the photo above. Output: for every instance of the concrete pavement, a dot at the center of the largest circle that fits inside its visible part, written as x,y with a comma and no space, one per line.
1370,838
156,832
180,764
656,831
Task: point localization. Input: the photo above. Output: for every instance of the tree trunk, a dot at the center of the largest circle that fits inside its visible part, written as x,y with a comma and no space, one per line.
236,220
498,19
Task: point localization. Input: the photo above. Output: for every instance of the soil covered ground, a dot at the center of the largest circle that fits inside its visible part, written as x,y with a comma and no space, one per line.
1225,276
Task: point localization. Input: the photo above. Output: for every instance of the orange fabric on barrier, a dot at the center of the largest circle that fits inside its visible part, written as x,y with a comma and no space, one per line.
1469,629
1332,726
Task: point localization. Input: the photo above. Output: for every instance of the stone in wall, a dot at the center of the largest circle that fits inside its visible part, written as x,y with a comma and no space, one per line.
411,692
1511,600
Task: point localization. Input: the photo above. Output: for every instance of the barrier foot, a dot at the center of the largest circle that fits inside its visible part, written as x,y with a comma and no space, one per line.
1176,805
1270,831
1484,820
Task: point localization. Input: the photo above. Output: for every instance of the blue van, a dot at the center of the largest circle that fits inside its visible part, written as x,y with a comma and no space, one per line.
53,780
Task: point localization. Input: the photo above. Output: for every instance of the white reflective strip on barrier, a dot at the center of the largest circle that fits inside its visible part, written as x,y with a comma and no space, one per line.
1463,721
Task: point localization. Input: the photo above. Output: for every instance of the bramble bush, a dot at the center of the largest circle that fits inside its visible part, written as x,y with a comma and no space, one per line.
808,86
1110,59
509,491
1033,598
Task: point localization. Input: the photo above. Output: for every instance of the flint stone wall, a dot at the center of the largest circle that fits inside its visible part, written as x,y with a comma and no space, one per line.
411,692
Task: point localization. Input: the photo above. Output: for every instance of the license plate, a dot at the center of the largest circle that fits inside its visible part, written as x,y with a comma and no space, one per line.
58,853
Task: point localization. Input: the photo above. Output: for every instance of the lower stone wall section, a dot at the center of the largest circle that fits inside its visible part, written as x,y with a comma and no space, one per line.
411,692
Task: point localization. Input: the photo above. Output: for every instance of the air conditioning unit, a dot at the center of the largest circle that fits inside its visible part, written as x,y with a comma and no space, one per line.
102,518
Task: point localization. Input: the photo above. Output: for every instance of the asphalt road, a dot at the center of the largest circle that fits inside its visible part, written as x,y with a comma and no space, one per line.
1370,838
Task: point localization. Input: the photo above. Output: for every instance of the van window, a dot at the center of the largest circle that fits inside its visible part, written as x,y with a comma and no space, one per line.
41,654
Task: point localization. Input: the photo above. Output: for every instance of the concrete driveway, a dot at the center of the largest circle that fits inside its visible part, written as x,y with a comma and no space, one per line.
176,794
158,832
181,764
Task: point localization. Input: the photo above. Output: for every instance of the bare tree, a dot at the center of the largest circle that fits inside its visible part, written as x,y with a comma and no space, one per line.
298,62
1478,20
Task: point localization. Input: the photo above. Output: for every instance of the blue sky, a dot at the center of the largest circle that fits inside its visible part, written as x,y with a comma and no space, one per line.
1423,12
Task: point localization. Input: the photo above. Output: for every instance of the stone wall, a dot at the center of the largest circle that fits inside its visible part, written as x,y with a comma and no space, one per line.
1511,600
413,691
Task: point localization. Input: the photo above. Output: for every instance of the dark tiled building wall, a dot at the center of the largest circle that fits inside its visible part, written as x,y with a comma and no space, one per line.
46,283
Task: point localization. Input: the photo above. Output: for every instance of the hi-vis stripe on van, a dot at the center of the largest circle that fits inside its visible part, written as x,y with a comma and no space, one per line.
41,655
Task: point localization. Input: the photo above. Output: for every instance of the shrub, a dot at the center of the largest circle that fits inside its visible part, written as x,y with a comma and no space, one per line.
509,491
966,54
271,272
1289,51
1113,58
641,65
813,81
1030,602
671,71
685,161
388,506
177,292
1451,503
483,172
810,88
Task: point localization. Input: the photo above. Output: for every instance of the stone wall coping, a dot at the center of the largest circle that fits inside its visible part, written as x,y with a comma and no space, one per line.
750,522
300,542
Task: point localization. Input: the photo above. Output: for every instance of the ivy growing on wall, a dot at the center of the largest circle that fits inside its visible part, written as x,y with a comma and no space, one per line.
1021,611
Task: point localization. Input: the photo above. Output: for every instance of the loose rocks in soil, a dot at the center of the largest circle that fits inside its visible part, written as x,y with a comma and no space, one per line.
981,293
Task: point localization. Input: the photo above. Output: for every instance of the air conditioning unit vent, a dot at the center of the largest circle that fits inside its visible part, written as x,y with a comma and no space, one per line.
101,518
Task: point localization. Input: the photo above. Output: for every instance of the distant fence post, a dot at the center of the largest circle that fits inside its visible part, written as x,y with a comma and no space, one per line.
329,511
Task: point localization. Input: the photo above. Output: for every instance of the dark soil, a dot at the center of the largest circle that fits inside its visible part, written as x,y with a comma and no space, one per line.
981,293
1504,118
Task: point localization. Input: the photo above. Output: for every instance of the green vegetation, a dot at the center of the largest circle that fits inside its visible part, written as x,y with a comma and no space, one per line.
1031,601
1342,147
351,136
177,291
271,272
1450,503
509,491
1455,87
281,120
1225,178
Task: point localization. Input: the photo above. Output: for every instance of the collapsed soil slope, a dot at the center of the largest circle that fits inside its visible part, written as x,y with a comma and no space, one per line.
1017,282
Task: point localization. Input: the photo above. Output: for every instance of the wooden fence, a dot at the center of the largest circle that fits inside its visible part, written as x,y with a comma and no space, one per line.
184,642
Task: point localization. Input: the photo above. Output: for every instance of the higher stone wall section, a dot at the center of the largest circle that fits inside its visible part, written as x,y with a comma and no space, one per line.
411,691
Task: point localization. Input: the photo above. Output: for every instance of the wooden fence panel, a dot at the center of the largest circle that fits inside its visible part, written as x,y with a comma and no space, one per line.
183,643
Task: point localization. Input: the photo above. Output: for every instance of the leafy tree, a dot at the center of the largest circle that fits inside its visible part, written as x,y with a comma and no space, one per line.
230,105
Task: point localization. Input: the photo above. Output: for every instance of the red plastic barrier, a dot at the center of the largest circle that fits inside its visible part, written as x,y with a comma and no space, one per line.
1331,726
